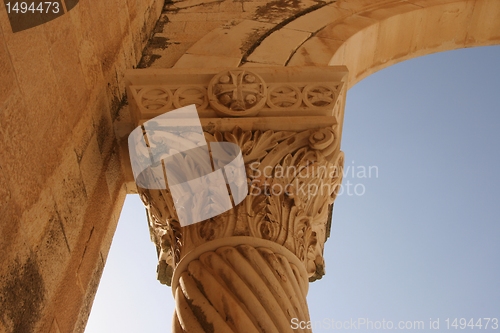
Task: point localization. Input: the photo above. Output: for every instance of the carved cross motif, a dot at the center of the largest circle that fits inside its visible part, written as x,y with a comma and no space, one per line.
237,91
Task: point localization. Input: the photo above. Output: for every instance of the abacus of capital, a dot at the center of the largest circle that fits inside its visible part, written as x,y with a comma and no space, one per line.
247,270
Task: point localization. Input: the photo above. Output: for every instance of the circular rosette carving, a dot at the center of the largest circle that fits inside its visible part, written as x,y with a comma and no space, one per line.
284,96
237,93
158,99
319,96
322,138
191,95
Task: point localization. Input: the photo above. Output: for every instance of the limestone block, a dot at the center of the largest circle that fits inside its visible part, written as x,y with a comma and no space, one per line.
53,255
91,66
65,62
96,31
103,124
338,58
8,79
430,3
5,193
317,19
346,28
279,46
201,61
484,28
172,54
253,6
233,37
91,165
396,37
36,221
315,51
174,27
81,134
384,11
201,28
38,94
70,197
231,6
451,22
114,174
23,298
118,198
17,151
196,5
54,328
257,64
359,62
278,11
98,217
88,298
187,17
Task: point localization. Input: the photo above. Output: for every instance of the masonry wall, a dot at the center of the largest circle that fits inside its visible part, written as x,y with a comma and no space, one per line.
61,184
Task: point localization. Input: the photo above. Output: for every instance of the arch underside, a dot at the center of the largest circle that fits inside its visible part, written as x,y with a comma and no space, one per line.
363,35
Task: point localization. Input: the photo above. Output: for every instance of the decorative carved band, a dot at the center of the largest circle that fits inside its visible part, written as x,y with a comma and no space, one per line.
238,101
312,91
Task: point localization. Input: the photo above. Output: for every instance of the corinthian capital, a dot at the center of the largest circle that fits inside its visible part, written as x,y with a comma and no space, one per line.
287,123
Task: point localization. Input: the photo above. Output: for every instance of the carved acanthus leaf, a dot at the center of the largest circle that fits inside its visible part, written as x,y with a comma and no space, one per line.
293,179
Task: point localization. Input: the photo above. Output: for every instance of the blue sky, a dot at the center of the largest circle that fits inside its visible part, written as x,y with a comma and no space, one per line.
421,243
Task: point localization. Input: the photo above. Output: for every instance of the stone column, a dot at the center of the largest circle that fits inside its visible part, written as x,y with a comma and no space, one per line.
248,269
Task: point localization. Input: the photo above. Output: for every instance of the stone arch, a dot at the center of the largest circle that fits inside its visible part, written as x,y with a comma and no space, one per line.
387,32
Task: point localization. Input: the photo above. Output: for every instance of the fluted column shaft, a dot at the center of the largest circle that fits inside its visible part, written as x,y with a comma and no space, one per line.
240,288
